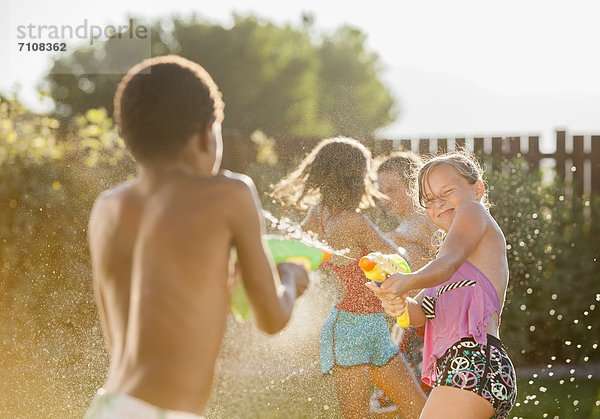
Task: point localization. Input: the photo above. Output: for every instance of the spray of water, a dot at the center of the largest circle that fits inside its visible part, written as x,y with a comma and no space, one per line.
289,229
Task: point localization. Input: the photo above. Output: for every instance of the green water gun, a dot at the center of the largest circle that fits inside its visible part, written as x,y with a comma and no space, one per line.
379,267
282,250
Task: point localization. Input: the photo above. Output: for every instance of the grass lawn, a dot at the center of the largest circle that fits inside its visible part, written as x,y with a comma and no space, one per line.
558,397
312,396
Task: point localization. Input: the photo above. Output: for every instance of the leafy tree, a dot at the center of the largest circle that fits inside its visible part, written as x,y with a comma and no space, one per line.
354,99
281,80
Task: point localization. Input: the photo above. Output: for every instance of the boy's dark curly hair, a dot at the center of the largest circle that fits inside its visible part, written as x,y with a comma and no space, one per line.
161,102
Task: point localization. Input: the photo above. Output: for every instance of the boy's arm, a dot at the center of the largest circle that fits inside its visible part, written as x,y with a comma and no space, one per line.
271,292
92,234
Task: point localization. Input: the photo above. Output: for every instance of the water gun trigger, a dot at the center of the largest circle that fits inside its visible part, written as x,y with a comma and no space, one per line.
386,276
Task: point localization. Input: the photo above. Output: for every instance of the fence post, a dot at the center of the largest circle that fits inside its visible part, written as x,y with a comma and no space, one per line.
442,145
533,152
560,154
578,175
514,146
596,164
406,145
424,146
497,153
595,159
478,145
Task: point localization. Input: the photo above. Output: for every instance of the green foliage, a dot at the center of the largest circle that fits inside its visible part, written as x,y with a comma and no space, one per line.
277,79
550,312
48,318
356,102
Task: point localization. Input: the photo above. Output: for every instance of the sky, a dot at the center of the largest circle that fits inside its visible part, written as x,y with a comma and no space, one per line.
459,68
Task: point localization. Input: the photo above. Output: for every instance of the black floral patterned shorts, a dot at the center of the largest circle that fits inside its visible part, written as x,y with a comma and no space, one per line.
482,369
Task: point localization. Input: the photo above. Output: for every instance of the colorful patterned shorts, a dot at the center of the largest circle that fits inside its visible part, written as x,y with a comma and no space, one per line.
482,369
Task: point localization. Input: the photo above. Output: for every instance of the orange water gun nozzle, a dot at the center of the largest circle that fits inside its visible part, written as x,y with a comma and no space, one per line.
366,263
326,255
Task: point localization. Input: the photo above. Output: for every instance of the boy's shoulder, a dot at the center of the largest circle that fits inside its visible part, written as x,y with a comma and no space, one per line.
236,191
115,194
229,184
235,180
229,187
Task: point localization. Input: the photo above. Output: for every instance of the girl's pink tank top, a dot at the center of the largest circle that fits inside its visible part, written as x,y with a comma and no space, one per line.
460,311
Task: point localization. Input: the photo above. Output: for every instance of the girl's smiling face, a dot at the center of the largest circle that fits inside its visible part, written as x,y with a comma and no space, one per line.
444,191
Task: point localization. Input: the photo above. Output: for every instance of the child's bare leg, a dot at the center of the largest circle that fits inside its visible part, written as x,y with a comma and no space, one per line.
353,390
399,383
451,402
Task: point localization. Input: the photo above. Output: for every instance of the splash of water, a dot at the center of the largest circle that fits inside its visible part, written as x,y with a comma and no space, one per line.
292,230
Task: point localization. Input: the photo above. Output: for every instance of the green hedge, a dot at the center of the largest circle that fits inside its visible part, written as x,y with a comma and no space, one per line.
53,356
553,250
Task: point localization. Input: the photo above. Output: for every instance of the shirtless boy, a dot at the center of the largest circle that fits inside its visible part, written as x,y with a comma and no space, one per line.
160,247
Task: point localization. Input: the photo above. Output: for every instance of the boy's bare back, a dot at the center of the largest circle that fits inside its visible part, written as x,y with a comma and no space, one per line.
161,245
168,241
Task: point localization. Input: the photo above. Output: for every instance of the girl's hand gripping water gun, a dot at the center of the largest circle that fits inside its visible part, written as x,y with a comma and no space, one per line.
282,250
378,267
